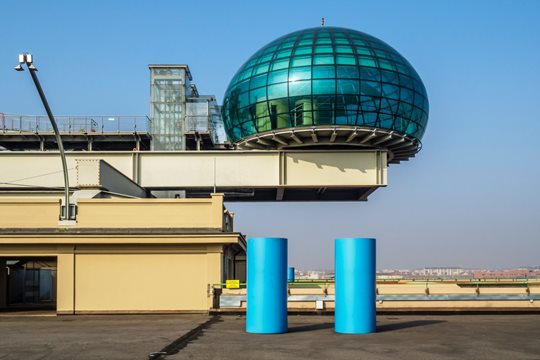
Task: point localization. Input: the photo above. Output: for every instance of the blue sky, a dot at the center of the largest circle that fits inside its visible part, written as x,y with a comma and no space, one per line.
470,198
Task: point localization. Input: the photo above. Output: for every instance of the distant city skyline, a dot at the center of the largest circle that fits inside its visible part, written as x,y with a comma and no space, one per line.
469,198
433,272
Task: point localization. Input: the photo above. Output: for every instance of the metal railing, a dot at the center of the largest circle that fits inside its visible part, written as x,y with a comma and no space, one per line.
502,282
75,124
235,301
324,290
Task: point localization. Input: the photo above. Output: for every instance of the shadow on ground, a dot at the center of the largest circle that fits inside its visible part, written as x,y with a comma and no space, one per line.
406,325
311,327
380,328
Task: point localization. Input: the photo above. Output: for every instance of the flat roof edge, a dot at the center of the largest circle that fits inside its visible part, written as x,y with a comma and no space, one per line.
114,231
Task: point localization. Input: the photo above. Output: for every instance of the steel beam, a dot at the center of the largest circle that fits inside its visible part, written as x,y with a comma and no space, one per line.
298,174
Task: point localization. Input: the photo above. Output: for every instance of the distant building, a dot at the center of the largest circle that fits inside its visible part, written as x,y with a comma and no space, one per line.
314,274
508,273
442,271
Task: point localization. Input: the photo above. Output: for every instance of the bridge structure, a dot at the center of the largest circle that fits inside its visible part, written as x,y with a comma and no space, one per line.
251,175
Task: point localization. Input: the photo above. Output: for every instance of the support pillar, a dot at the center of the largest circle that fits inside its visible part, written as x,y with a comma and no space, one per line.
290,274
355,282
266,285
65,279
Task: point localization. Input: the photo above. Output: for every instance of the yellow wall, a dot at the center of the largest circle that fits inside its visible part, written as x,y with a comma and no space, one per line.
29,213
151,213
65,283
129,278
25,213
170,268
141,282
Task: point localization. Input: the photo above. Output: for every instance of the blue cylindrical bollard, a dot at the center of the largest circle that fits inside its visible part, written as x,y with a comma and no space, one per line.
290,274
266,285
355,285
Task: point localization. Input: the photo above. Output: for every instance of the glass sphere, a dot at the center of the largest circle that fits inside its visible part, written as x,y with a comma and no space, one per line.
325,76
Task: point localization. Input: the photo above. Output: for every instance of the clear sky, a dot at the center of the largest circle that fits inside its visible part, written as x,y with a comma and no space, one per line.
470,198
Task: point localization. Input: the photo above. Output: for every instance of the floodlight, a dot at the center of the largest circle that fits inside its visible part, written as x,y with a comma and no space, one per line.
28,59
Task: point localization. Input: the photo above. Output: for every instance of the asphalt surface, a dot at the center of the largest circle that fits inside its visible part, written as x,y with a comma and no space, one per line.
91,336
397,337
309,337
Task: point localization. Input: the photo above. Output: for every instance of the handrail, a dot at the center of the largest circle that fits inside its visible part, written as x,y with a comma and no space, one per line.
77,123
418,281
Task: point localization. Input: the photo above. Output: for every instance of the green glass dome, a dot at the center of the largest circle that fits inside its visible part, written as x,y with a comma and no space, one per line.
327,85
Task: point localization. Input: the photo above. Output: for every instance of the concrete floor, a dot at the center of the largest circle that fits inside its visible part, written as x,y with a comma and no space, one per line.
30,337
398,337
309,337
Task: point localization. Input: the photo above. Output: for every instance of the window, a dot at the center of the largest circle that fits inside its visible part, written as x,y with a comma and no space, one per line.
302,50
348,87
323,59
280,64
301,61
324,49
324,86
258,81
324,72
344,49
301,73
278,76
347,72
277,91
297,88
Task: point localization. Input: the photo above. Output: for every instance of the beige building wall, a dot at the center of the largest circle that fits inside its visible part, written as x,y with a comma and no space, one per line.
134,277
141,282
151,213
28,213
24,213
125,255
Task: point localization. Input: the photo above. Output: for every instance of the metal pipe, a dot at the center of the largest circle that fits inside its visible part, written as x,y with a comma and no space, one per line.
66,215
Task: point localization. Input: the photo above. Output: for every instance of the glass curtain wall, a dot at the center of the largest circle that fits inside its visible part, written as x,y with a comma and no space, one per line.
204,115
324,76
166,106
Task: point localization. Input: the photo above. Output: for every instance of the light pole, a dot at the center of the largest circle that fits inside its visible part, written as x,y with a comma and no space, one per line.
27,59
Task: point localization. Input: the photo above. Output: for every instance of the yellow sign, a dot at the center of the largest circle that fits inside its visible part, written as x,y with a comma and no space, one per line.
232,284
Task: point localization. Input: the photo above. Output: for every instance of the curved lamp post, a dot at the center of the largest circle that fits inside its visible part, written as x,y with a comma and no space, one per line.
28,60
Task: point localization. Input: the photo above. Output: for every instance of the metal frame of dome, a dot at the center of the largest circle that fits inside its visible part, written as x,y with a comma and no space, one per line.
351,89
400,147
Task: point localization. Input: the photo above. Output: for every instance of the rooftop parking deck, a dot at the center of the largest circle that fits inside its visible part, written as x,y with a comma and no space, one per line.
309,337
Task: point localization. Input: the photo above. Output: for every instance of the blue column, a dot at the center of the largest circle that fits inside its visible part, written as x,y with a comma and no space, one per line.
355,285
290,274
266,285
